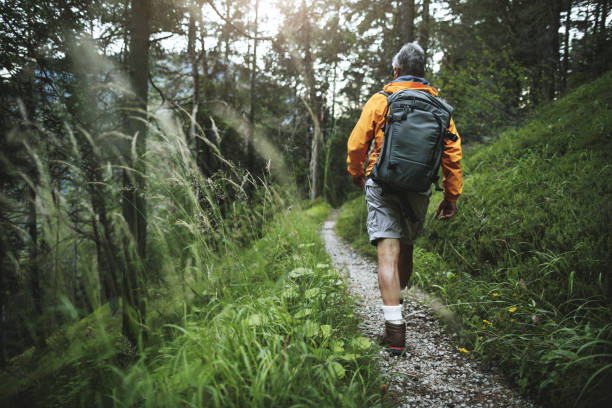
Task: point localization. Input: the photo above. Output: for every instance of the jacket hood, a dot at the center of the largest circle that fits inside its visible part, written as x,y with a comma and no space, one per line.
398,86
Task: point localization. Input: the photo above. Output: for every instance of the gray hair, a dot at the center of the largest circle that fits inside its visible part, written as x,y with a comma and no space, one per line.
410,60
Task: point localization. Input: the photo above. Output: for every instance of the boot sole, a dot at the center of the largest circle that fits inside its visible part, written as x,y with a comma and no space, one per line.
395,351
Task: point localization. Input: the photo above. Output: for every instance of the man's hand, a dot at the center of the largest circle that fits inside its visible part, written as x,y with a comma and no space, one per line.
359,181
447,209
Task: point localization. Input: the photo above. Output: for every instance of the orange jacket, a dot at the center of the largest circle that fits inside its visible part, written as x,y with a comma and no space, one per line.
370,123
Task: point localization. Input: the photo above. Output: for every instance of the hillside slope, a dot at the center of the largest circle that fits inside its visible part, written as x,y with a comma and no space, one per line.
533,233
542,191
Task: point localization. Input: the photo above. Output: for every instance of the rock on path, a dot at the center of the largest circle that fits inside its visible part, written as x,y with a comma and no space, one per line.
433,373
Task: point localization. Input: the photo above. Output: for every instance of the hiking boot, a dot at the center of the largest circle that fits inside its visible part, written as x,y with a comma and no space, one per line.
394,338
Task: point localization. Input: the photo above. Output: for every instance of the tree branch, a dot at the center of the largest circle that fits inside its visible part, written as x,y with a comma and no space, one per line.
239,30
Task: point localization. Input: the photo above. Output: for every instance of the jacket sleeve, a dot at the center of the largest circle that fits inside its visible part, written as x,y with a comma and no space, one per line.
451,166
362,134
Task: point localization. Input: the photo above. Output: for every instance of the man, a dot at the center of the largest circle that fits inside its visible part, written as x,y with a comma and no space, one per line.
389,227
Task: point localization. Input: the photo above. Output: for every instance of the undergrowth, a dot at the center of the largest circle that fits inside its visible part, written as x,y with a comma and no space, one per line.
242,306
269,325
351,226
526,261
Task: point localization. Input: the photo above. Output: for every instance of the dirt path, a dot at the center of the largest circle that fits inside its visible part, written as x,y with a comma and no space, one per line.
433,373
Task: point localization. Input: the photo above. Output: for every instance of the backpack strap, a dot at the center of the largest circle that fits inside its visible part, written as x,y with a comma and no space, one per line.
387,94
373,141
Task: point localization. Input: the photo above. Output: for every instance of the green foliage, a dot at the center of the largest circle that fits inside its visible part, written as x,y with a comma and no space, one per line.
485,90
533,229
526,259
537,201
267,325
278,331
351,225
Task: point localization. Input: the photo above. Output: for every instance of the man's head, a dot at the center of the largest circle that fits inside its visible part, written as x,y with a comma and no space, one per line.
410,60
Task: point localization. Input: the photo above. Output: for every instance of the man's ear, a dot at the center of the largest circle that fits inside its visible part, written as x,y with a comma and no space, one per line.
396,72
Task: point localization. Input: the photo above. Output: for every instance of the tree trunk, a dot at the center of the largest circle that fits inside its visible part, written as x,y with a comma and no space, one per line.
601,63
328,146
604,16
312,105
424,32
3,329
251,135
133,200
407,12
203,52
226,63
34,271
195,76
566,39
107,253
314,150
551,63
548,59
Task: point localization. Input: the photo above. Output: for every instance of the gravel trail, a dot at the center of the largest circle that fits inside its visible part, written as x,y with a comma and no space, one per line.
433,373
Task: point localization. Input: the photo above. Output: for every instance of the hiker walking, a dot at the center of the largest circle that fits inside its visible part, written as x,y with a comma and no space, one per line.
416,134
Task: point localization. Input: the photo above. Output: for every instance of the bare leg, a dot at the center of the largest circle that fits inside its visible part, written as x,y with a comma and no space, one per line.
405,264
388,270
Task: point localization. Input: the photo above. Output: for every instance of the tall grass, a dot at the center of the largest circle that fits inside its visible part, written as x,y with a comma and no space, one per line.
279,331
243,308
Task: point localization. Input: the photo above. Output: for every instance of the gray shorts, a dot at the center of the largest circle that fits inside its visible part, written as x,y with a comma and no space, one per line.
395,215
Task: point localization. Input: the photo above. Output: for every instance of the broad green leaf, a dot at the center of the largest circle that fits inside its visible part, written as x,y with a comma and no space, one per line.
337,369
303,313
313,292
362,343
290,292
311,328
297,272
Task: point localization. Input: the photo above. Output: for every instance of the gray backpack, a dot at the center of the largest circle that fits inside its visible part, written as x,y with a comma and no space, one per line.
415,128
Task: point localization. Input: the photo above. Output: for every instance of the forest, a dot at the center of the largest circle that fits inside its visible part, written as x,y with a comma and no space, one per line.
166,165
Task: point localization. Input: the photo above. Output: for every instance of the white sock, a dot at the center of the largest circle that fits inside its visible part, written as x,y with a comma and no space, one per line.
393,314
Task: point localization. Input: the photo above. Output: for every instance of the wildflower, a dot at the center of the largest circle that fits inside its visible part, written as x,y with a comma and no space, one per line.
512,309
495,294
461,349
488,323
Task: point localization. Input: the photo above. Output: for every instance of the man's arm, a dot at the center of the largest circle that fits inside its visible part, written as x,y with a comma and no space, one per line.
453,177
360,138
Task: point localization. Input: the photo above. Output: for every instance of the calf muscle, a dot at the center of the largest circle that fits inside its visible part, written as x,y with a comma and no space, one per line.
394,269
